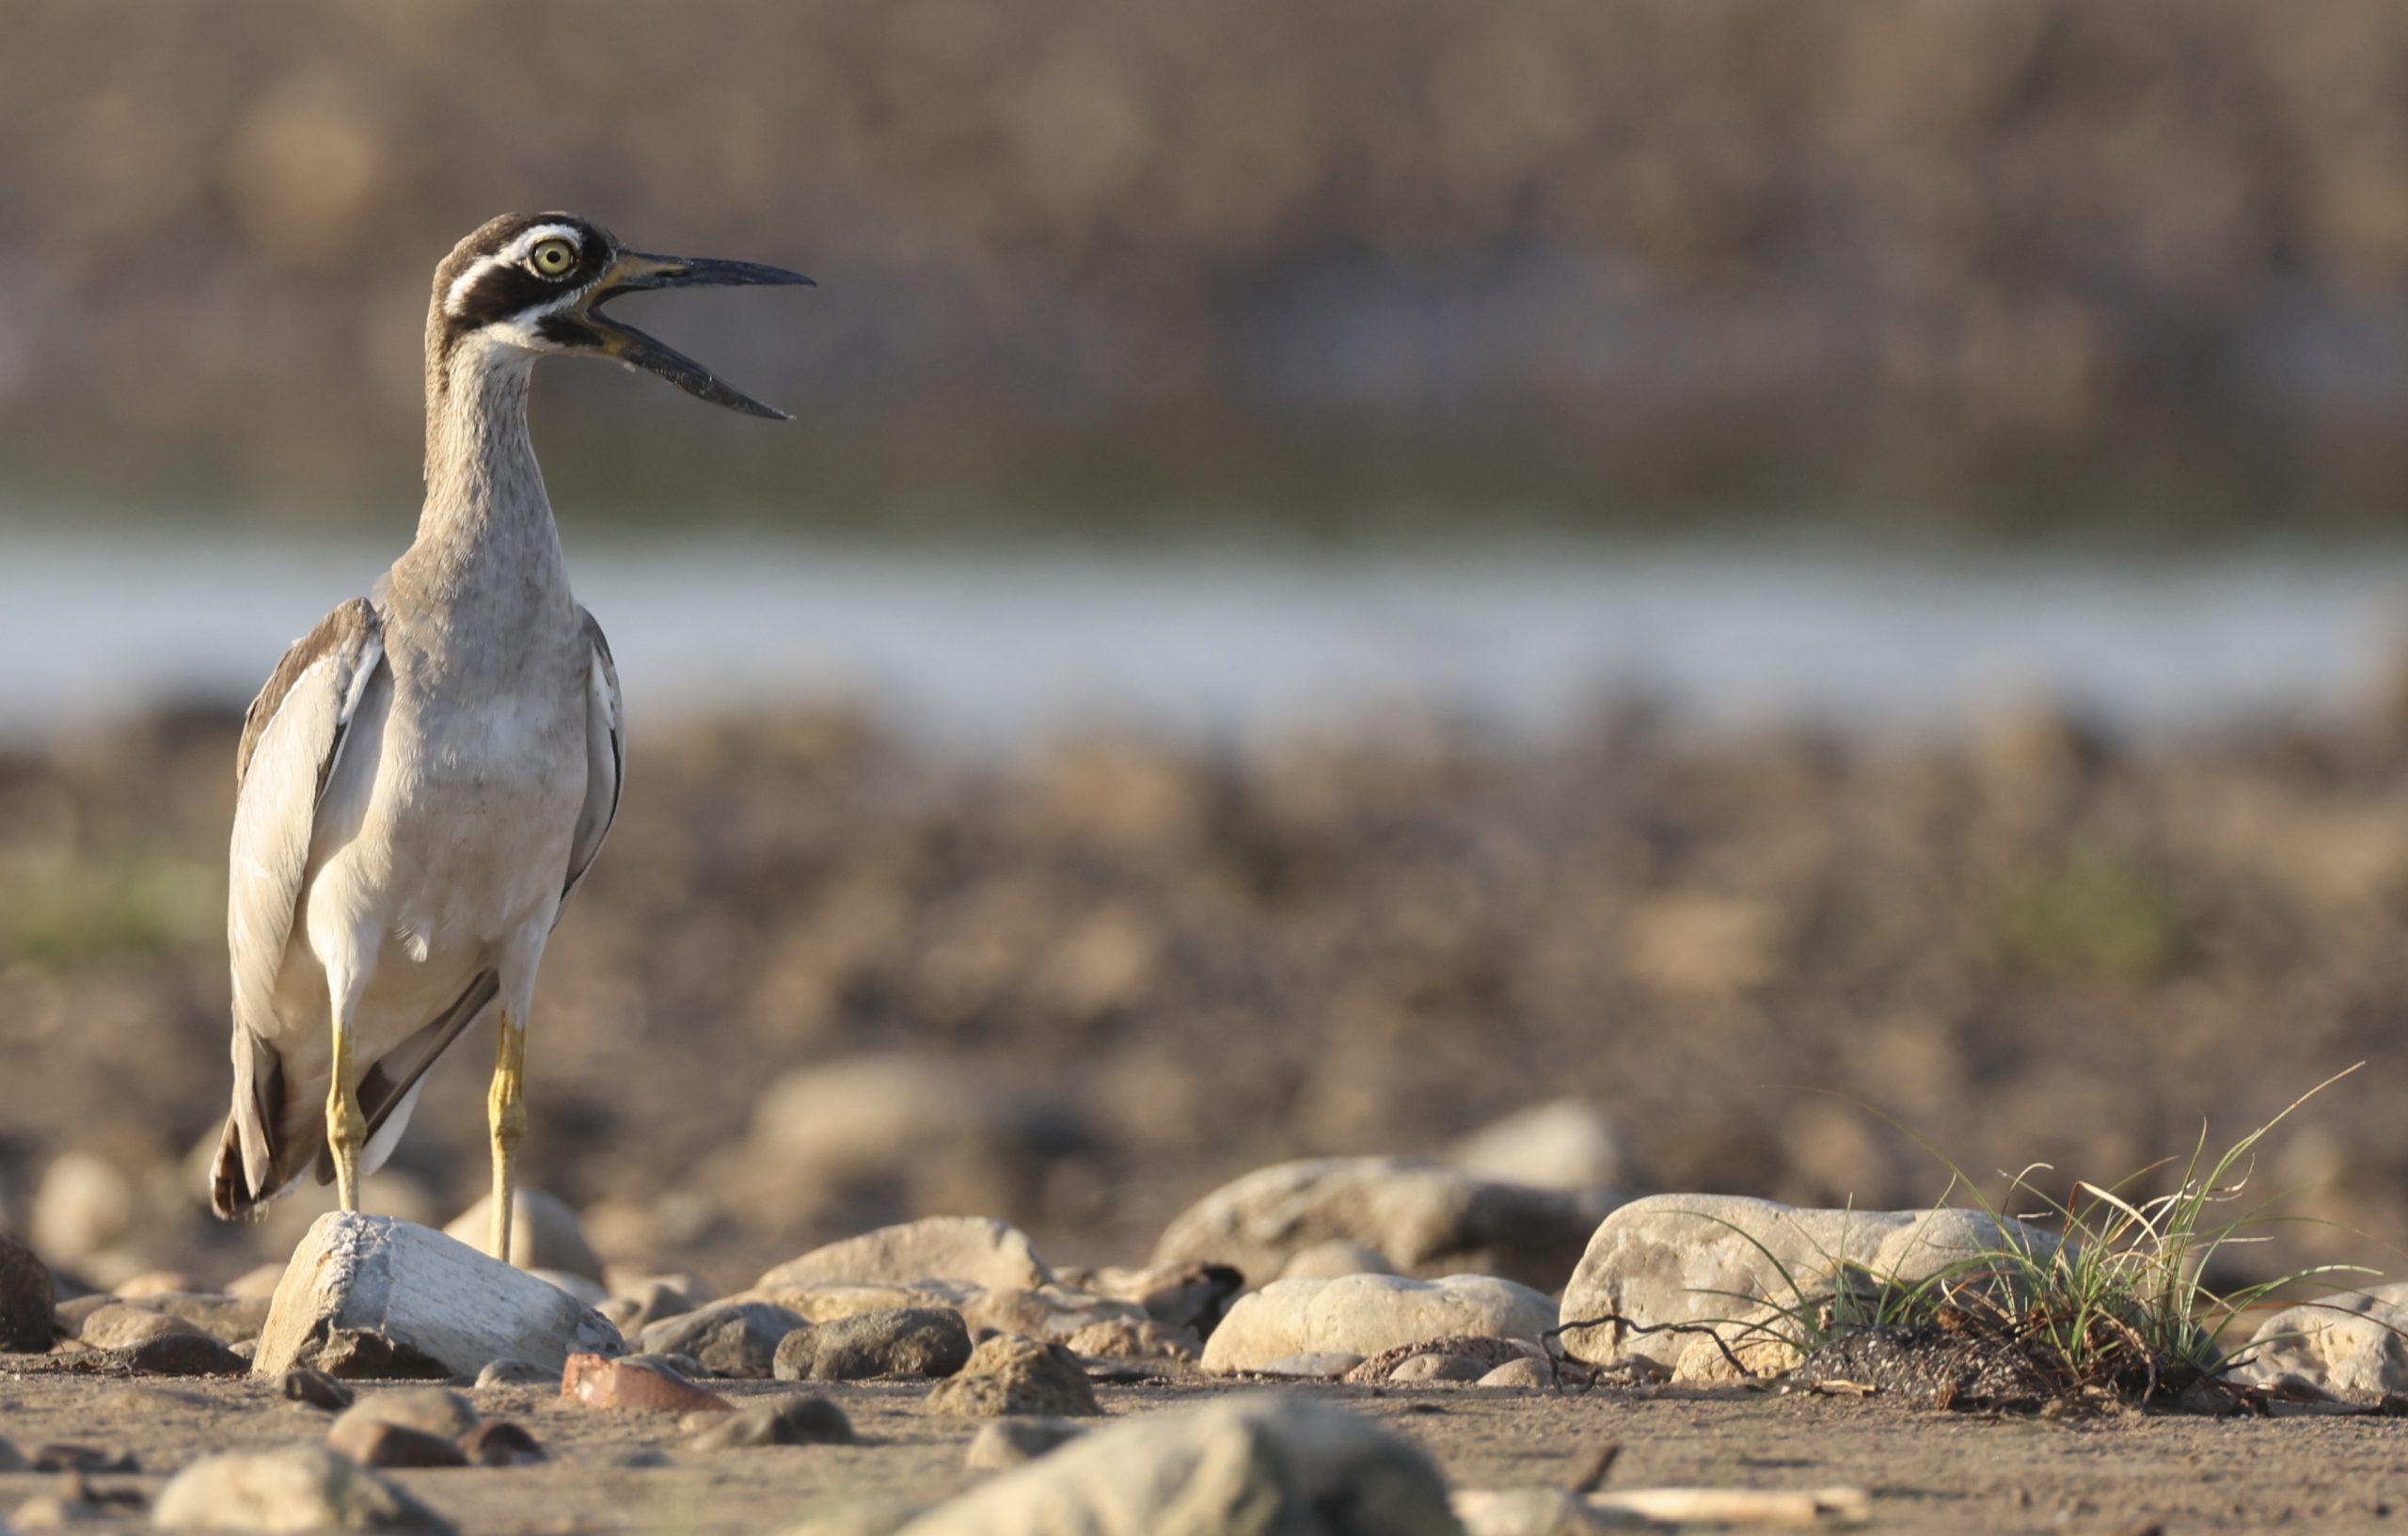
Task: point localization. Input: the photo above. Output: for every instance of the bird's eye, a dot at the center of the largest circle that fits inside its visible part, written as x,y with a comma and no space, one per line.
553,257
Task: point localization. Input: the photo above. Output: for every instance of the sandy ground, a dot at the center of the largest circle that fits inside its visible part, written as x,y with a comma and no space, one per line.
1928,1472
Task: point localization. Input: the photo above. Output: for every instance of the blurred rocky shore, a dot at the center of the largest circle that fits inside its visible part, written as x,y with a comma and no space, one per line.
822,981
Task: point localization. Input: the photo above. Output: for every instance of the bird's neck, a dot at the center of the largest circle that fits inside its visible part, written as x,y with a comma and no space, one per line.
487,524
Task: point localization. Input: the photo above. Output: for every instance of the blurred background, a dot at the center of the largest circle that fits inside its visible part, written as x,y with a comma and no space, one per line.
1344,569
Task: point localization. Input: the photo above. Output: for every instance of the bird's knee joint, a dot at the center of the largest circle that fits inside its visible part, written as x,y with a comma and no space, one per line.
345,1124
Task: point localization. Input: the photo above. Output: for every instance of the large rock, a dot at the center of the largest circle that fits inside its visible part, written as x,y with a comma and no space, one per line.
292,1488
978,1250
1560,1144
1367,1314
543,1234
1249,1465
2353,1342
372,1296
1430,1219
1716,1258
27,1299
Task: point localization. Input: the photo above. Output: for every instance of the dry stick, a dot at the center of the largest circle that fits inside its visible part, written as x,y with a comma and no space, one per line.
1601,1466
1548,1339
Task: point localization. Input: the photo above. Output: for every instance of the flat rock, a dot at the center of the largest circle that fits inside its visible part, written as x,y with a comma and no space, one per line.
600,1383
229,1320
430,1410
1013,1375
27,1298
797,1418
119,1325
185,1354
1430,1219
1011,1442
895,1342
372,1296
1364,1314
978,1250
498,1442
372,1442
728,1338
292,1488
1254,1463
545,1234
1311,1365
2353,1342
1709,1258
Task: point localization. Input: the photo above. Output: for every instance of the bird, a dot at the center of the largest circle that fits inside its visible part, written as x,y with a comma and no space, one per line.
429,774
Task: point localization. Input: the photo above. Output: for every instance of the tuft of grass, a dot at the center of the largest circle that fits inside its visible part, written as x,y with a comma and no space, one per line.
2103,1290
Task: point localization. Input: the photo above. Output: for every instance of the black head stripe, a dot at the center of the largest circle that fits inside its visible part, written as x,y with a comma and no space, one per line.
502,290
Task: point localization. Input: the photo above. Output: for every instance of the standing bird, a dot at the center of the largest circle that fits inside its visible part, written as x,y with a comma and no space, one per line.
429,774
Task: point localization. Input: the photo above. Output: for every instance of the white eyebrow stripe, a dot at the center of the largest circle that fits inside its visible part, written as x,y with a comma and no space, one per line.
510,255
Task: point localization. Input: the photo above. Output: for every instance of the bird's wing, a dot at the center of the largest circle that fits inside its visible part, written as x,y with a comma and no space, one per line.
606,755
386,1084
293,736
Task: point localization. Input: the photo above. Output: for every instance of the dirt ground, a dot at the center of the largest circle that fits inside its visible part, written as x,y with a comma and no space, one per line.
1928,1472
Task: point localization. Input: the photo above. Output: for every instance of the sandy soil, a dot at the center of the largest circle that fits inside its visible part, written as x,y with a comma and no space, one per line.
1928,1472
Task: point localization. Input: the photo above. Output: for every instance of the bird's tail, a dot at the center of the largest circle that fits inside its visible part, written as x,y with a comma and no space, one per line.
267,1144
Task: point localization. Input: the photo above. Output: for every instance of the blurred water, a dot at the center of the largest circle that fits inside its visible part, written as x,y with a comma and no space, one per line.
985,649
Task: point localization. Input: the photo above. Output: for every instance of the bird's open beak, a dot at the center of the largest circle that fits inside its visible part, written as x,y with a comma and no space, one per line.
635,273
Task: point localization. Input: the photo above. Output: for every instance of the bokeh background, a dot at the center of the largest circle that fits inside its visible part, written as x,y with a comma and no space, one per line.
1344,569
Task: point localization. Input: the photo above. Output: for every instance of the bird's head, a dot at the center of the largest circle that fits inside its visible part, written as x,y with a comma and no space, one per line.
531,283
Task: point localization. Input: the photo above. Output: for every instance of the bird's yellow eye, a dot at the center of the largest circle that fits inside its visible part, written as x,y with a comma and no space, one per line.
553,257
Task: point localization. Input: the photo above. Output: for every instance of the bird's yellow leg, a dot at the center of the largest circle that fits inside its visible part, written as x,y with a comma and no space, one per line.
506,1113
346,1128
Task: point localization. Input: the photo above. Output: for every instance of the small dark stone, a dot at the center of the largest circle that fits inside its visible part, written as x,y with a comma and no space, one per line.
373,1442
800,1418
185,1354
498,1442
891,1341
75,1458
315,1388
727,1338
11,1458
27,1300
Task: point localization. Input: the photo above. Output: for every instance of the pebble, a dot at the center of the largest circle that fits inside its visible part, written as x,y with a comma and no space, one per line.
314,1388
797,1419
1522,1373
498,1442
1371,1313
640,1384
430,1410
375,1442
186,1355
895,1342
1009,1442
1439,1367
515,1374
727,1338
292,1488
1015,1374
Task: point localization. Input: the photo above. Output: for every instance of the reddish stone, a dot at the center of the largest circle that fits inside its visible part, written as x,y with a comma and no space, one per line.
599,1383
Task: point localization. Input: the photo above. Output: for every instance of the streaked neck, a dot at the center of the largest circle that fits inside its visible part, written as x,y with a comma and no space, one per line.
487,523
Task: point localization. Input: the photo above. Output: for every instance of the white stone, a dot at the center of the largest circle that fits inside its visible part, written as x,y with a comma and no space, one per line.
1364,1314
1560,1144
1712,1258
82,1206
422,1292
2353,1342
1253,1462
978,1250
1426,1217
